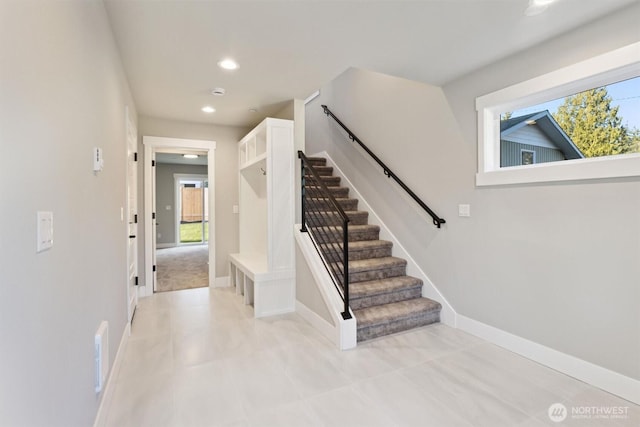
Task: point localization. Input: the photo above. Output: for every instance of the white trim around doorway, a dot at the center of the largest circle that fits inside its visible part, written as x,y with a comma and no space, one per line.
154,144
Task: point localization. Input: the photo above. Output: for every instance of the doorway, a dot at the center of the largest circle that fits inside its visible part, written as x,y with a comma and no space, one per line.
161,213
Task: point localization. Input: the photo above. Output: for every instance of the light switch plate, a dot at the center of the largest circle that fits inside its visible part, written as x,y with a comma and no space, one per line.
44,231
236,209
464,210
98,159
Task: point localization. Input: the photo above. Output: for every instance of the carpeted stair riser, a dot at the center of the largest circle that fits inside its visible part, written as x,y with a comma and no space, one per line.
395,326
376,268
329,181
317,161
321,170
326,204
395,317
342,192
385,291
373,249
330,218
323,218
356,233
382,273
357,303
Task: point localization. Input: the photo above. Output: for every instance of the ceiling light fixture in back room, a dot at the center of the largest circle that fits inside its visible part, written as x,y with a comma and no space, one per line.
536,7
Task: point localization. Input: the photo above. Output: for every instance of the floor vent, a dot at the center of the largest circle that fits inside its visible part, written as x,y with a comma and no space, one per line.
102,355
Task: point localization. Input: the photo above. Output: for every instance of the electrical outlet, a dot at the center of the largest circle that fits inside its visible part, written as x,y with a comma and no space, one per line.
464,210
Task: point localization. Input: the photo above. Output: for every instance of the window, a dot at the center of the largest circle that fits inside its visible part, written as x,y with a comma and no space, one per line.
527,157
525,131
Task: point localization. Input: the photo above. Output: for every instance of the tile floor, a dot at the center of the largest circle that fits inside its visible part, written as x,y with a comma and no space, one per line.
199,358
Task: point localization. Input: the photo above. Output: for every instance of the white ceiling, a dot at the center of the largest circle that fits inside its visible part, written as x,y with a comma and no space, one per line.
289,49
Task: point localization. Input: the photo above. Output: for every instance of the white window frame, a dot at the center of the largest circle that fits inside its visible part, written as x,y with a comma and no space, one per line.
611,67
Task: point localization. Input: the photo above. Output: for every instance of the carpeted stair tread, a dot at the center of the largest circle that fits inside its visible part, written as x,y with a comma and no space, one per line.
322,170
395,317
362,249
384,291
355,217
334,189
327,180
360,265
381,286
356,232
376,268
344,202
369,244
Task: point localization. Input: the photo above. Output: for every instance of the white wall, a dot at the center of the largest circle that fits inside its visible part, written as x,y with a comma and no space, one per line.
62,92
556,264
226,179
295,111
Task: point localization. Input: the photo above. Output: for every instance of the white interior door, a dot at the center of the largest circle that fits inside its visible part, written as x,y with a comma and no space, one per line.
132,216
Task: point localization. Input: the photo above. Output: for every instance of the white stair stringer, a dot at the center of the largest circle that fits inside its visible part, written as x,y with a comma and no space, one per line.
342,332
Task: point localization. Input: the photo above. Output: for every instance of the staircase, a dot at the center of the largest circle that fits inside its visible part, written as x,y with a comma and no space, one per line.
383,298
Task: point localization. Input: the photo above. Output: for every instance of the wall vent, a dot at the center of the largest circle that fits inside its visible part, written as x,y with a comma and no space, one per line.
102,355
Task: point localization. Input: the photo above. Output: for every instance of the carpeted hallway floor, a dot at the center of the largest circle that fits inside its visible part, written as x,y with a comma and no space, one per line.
182,267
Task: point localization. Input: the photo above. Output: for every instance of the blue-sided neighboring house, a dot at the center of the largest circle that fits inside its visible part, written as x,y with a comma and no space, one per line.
534,138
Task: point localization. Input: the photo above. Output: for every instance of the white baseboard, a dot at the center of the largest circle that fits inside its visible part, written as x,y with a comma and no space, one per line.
324,327
605,379
107,396
165,245
222,282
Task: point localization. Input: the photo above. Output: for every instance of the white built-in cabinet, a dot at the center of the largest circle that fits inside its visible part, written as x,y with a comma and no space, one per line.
264,268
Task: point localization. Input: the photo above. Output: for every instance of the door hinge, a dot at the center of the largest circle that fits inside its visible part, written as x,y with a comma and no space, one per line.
153,163
135,218
154,268
153,215
135,157
136,282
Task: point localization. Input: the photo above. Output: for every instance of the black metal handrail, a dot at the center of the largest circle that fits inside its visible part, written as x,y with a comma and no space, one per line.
328,227
437,221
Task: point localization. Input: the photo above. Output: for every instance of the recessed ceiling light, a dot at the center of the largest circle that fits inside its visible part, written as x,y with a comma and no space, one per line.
253,110
190,156
208,109
219,91
228,64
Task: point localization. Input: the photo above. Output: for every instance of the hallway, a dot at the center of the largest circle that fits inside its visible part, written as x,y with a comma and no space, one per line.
198,358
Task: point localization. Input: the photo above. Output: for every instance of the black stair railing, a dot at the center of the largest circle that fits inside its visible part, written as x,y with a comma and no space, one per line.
327,223
437,221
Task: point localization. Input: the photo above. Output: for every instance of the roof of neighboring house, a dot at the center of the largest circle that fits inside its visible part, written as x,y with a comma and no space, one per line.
547,124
